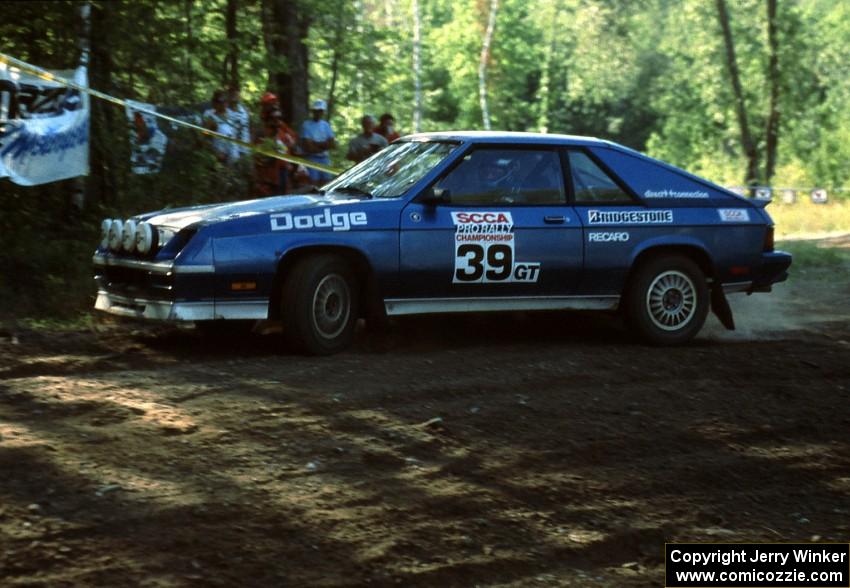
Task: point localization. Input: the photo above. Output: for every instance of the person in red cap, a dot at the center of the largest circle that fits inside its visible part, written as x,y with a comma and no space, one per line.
273,175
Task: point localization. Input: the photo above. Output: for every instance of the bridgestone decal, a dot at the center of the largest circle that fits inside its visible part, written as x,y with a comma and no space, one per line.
629,217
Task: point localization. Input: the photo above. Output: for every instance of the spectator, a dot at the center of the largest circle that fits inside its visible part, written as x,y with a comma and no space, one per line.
368,143
317,137
387,128
274,176
215,119
268,102
238,117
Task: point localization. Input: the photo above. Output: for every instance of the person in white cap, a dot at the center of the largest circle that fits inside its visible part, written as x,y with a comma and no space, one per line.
317,137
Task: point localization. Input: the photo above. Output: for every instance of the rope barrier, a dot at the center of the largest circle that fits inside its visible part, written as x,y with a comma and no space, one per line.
46,75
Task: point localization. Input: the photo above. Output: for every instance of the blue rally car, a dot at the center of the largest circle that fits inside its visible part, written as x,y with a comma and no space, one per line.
453,222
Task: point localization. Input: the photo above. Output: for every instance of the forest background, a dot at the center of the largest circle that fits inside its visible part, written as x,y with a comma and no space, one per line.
743,92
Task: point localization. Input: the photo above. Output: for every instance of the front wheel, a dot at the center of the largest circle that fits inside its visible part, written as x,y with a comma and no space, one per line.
667,300
319,305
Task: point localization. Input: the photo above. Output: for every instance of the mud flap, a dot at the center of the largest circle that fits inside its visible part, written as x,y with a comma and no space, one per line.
720,307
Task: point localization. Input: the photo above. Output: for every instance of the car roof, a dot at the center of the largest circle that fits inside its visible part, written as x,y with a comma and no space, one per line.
510,137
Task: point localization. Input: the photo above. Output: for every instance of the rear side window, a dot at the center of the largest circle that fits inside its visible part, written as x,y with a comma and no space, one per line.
591,183
655,180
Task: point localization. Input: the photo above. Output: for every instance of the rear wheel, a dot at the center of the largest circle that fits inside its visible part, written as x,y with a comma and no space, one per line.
667,300
319,305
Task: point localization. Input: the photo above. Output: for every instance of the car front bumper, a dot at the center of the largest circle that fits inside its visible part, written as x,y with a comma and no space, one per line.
165,291
165,310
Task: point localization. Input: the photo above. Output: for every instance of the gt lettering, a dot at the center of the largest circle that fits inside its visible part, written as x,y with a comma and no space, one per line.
526,272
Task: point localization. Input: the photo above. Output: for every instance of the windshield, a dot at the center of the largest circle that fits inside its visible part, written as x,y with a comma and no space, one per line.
389,173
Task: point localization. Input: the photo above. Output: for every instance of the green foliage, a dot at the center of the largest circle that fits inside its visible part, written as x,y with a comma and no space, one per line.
808,254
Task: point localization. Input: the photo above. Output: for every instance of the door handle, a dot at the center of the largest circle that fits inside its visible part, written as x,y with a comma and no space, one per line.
554,220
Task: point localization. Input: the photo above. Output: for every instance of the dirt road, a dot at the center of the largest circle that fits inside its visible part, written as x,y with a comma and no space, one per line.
544,450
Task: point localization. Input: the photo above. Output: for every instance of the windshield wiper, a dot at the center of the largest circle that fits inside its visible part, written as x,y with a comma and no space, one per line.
352,189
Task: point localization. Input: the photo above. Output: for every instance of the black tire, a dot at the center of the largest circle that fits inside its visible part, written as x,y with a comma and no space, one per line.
667,300
319,305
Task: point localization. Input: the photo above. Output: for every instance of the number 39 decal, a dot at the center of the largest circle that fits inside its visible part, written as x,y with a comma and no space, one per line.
474,261
484,250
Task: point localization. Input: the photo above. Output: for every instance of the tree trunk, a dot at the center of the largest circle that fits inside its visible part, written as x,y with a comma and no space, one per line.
482,64
772,130
337,50
269,30
417,68
546,70
187,58
747,143
358,73
289,31
231,61
101,184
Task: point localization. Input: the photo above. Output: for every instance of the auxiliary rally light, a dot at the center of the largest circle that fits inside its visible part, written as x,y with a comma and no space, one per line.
131,236
128,239
144,238
116,230
104,232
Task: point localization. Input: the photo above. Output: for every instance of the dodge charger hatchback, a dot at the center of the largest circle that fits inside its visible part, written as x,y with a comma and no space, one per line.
453,222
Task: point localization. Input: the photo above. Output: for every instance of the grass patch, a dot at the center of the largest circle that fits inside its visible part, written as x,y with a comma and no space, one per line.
809,254
806,219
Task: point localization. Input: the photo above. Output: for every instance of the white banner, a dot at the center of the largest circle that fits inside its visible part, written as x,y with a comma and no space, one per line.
147,141
46,135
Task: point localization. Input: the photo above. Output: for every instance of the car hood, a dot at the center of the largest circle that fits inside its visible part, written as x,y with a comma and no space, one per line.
183,217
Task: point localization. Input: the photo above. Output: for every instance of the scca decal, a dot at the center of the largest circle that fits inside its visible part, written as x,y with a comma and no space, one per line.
482,217
733,215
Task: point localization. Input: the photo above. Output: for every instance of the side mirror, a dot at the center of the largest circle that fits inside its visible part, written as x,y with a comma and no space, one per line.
436,196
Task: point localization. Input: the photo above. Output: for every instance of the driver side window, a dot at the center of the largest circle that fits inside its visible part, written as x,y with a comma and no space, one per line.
505,176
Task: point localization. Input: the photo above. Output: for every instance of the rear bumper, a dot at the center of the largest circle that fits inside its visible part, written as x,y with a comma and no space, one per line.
165,310
773,269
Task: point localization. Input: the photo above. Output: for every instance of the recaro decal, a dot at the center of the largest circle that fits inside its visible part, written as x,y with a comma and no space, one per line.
629,217
485,250
338,221
734,215
619,237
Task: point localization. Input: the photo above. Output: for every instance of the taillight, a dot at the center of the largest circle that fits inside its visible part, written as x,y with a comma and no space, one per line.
768,239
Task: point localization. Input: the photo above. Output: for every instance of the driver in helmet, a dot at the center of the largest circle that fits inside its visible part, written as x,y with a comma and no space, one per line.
498,174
